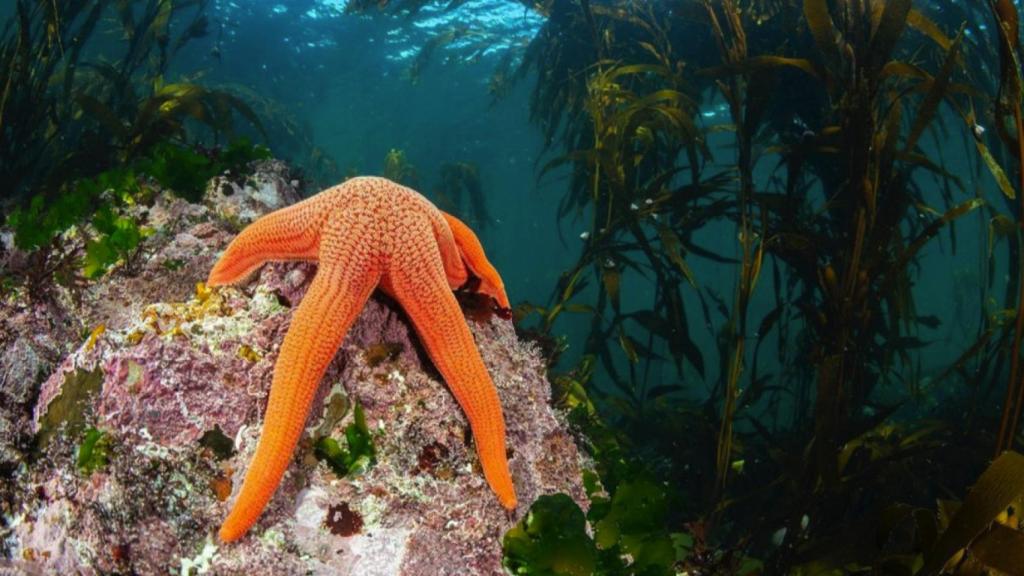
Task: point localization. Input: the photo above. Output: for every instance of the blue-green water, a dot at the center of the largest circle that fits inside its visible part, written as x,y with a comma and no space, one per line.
346,79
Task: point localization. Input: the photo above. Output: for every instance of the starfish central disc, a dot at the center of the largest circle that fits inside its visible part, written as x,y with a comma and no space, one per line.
365,234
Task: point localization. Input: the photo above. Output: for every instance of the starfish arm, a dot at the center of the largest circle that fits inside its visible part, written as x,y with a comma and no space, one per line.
451,256
347,275
473,254
417,280
291,233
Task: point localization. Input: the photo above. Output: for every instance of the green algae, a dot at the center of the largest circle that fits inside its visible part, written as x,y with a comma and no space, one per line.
118,240
633,523
96,208
94,451
357,456
551,539
186,170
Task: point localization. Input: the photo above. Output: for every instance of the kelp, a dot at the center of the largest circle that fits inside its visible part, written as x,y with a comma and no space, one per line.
840,225
745,95
632,124
1008,103
64,118
983,533
973,526
861,285
398,168
459,189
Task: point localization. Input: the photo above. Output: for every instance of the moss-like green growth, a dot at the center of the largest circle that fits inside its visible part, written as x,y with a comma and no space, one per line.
93,452
36,225
173,264
117,236
551,539
179,168
359,454
102,201
186,171
118,239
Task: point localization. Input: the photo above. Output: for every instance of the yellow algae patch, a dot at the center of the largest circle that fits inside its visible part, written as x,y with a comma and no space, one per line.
246,352
93,336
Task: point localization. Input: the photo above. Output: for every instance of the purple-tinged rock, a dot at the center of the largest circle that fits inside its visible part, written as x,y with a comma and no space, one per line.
41,324
181,363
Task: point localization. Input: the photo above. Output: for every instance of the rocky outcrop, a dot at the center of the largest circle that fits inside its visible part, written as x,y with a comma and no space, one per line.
175,384
41,324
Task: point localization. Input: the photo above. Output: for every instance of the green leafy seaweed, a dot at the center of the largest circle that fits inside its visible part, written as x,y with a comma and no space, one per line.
93,452
550,540
359,453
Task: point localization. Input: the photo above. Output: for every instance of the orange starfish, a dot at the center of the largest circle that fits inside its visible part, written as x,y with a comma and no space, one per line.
366,233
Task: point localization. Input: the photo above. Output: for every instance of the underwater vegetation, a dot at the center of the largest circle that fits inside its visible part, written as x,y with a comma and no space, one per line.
65,116
359,454
82,135
838,121
98,211
460,187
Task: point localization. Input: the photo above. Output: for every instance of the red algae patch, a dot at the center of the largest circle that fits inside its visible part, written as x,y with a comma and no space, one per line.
343,521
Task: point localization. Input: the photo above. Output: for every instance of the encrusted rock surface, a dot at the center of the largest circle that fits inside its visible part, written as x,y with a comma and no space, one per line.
37,332
176,362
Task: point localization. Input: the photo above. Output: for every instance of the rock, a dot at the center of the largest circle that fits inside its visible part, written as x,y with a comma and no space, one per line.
271,187
176,368
33,338
36,332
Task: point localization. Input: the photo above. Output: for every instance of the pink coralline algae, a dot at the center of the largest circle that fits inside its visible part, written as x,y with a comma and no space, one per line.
177,361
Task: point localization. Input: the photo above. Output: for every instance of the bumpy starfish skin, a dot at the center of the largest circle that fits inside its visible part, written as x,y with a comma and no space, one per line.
367,233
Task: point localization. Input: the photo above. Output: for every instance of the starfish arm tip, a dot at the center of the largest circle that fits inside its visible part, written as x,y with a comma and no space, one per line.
216,279
227,272
226,535
500,480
